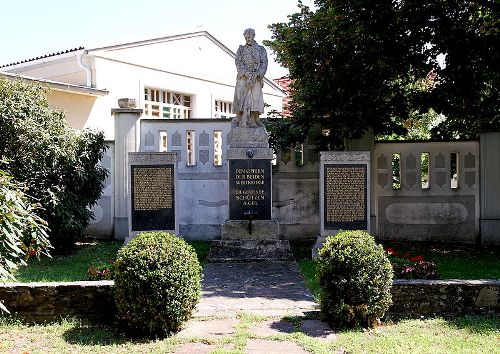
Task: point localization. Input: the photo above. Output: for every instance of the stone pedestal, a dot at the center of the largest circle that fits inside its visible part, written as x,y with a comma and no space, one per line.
250,233
344,193
153,193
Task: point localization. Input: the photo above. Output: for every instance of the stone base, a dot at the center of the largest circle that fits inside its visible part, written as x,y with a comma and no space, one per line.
250,251
248,137
239,230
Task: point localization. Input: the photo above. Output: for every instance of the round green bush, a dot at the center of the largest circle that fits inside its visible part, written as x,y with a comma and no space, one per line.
355,276
157,283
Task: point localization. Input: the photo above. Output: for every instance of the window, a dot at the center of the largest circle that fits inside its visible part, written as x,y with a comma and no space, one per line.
217,148
454,170
424,170
190,148
396,171
163,142
223,109
299,155
166,104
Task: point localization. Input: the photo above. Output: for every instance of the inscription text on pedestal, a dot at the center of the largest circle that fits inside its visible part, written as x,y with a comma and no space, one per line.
249,189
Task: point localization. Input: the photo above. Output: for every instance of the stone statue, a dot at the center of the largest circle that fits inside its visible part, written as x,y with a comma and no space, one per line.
251,64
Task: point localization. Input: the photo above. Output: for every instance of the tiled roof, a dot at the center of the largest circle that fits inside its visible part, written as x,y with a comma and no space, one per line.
43,56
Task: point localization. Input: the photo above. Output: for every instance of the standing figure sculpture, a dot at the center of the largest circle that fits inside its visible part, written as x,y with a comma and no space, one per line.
251,64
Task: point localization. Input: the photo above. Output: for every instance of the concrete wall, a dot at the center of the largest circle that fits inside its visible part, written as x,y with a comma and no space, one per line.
490,187
296,194
436,213
203,188
102,226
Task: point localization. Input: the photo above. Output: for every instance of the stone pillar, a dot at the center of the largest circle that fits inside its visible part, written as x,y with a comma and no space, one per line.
126,141
250,233
344,184
153,193
489,144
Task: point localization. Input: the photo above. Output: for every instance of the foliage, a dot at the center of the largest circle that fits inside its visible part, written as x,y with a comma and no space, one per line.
157,283
59,165
22,233
104,271
408,266
355,277
71,267
359,65
467,89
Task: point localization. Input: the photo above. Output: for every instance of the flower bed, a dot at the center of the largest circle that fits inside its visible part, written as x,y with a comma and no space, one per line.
408,266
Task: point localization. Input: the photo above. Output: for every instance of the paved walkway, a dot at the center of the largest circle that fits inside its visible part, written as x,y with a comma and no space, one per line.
254,308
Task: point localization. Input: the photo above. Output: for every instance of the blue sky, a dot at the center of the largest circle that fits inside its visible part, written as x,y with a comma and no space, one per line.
32,28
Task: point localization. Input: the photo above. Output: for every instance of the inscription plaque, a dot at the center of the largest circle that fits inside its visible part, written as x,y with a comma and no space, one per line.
249,189
345,197
153,197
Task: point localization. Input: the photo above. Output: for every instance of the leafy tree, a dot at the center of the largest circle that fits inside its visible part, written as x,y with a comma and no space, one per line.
366,64
59,165
23,233
467,89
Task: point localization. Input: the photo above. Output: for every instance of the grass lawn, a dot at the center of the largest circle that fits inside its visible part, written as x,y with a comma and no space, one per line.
453,261
71,267
434,335
74,267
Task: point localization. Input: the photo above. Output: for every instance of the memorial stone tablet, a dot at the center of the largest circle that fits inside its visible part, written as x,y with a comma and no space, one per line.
250,189
345,196
152,197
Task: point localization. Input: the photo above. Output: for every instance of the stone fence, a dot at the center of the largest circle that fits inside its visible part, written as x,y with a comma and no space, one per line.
39,302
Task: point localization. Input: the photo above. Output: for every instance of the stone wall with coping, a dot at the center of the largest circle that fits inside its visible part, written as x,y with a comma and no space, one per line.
425,297
39,302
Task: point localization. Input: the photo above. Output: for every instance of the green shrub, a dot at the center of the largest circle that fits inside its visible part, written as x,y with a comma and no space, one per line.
157,283
355,277
23,233
58,165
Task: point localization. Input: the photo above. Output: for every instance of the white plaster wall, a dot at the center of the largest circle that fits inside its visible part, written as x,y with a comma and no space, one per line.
127,80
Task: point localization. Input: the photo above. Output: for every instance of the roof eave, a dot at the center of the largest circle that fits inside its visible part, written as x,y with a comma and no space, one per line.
60,86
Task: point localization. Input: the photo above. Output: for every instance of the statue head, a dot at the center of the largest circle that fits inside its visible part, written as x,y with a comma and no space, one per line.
249,35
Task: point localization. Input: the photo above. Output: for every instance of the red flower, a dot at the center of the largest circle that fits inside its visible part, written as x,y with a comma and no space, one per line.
417,259
391,251
407,255
32,253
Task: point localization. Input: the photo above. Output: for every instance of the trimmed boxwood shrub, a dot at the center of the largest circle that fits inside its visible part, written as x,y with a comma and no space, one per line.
355,277
157,283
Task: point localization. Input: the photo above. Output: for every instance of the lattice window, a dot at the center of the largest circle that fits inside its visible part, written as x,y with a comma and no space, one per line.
223,109
217,148
190,148
166,104
163,142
